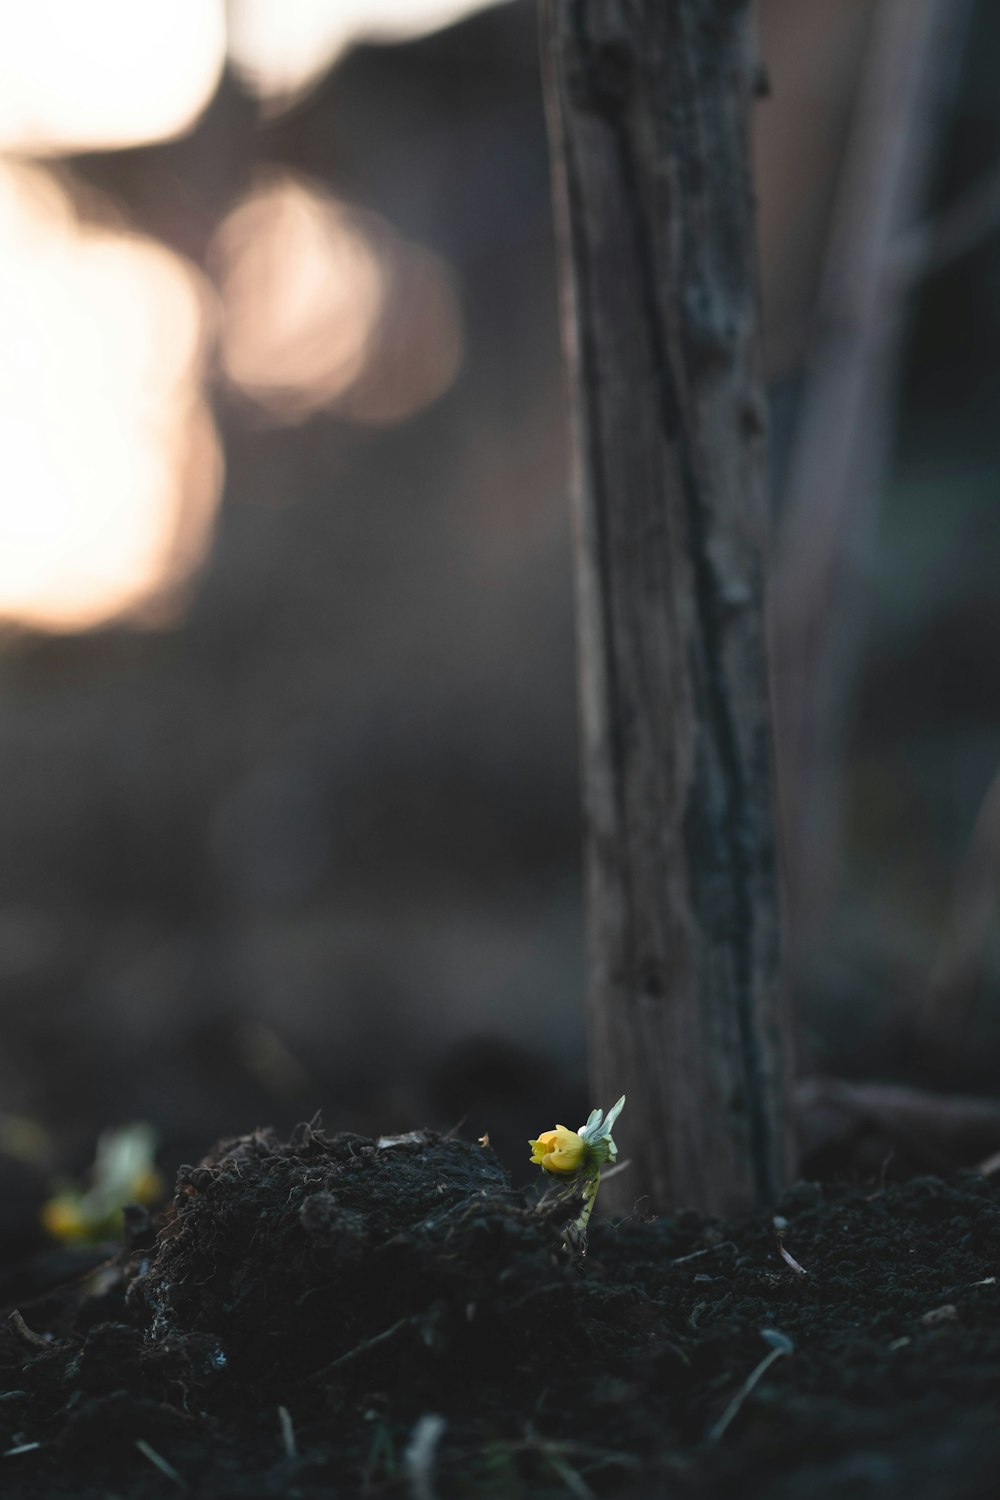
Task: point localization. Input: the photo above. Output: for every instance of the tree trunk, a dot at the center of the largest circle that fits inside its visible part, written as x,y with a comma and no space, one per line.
649,108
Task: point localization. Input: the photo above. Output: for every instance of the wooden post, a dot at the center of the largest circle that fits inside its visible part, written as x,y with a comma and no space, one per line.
649,109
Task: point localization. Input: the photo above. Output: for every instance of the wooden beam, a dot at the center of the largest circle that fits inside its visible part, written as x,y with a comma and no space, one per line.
649,109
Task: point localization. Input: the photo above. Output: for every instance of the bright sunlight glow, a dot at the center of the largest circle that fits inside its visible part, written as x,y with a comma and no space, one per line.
110,463
327,307
302,291
80,75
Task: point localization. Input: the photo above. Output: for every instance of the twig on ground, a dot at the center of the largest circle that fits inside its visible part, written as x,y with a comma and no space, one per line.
363,1348
937,1131
708,1250
27,1335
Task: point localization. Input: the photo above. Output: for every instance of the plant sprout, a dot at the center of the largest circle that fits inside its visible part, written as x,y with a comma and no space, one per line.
578,1156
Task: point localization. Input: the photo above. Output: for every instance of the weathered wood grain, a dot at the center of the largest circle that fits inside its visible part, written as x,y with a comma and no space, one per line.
649,106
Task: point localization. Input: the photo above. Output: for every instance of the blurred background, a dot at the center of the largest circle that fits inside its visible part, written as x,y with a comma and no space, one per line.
288,781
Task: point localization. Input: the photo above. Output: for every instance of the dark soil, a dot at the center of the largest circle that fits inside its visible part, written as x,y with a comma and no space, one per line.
339,1316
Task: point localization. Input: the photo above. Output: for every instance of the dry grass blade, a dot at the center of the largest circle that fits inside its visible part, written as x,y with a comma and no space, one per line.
418,1460
780,1345
787,1257
574,1482
288,1442
159,1462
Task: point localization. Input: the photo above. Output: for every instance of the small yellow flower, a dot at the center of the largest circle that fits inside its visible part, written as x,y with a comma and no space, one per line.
558,1150
62,1219
579,1154
123,1172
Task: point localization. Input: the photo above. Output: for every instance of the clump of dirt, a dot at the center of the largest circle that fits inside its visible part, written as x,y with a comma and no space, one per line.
308,1262
337,1316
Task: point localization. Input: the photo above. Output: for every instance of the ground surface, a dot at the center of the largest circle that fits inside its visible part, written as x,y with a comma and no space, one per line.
338,1316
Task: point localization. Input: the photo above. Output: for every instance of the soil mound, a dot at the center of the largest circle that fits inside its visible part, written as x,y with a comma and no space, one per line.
337,1316
305,1263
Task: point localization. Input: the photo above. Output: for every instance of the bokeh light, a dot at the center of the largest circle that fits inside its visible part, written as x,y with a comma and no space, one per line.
326,307
107,73
109,462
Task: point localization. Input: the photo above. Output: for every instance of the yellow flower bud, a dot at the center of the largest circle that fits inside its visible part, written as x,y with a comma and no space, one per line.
123,1172
62,1219
560,1150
